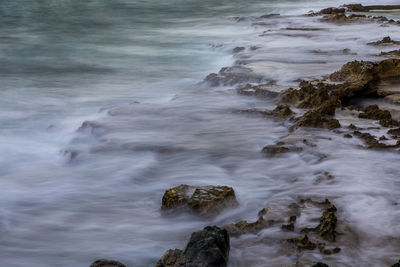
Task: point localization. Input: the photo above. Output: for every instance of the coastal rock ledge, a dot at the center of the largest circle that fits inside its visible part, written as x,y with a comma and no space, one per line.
206,248
207,201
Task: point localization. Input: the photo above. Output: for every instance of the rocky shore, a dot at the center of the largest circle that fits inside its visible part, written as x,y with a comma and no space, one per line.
314,103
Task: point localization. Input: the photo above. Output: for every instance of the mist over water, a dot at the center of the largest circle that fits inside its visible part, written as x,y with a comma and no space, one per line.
132,68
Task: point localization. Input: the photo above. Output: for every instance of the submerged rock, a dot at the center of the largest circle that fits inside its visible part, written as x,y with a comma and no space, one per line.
206,248
244,227
236,75
332,10
207,201
280,149
106,263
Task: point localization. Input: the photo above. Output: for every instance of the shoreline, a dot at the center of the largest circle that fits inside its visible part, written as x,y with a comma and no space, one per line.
319,99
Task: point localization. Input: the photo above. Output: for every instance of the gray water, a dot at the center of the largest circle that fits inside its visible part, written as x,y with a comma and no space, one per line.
133,68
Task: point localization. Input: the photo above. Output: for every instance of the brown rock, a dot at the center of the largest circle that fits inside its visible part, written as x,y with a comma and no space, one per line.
106,263
206,201
315,119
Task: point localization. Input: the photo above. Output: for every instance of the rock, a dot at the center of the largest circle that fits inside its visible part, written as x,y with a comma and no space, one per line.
327,224
320,264
207,201
283,111
263,90
348,136
373,112
302,243
244,227
396,264
332,10
392,54
314,119
395,132
236,75
290,225
238,49
206,248
385,41
356,8
106,263
278,149
371,141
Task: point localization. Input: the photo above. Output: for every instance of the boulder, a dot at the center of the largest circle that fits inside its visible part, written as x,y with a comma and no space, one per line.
385,41
106,263
207,201
206,248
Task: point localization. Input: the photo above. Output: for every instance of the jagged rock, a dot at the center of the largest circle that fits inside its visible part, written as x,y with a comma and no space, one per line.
385,41
315,119
236,75
106,263
206,248
356,8
373,112
264,90
283,111
302,243
207,201
244,227
393,54
347,136
332,10
371,141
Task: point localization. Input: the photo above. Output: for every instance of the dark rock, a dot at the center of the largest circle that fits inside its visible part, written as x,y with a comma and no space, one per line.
373,112
278,149
332,10
236,75
106,263
302,243
396,264
238,49
393,132
348,136
206,248
290,225
320,264
315,119
207,201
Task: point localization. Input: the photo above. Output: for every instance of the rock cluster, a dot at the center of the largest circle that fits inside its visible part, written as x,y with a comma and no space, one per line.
106,263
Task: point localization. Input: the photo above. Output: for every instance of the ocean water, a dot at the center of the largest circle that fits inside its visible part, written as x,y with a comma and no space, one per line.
132,69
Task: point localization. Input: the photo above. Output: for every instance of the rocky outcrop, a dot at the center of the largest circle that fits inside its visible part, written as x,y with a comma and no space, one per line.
361,8
320,264
280,149
315,119
385,41
207,201
206,248
106,263
392,54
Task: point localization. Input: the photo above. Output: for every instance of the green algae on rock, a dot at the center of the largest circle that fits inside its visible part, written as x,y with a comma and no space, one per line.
207,201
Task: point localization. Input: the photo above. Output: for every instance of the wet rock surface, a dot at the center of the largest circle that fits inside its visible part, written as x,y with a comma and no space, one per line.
206,248
385,41
106,263
315,119
229,76
207,201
